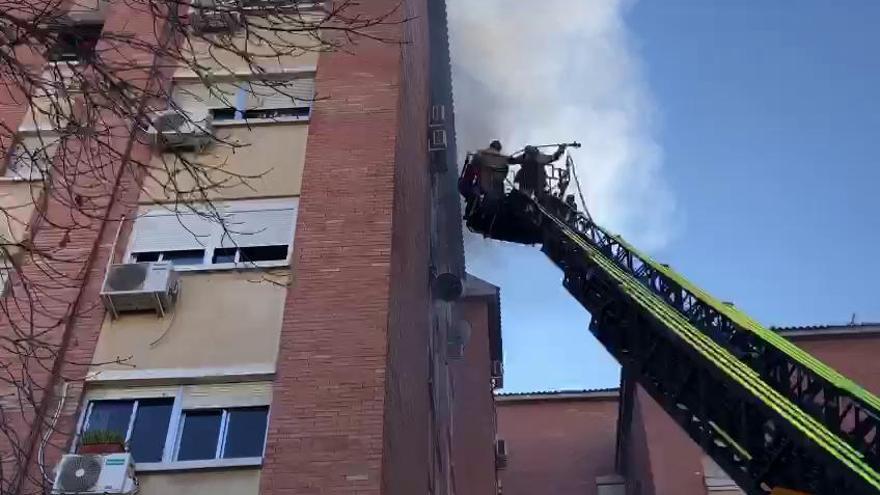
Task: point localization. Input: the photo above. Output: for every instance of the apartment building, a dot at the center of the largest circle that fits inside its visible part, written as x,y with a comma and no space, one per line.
305,326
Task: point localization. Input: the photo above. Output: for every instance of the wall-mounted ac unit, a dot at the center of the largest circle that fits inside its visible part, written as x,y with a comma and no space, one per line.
178,129
500,454
497,374
93,474
207,21
438,140
140,286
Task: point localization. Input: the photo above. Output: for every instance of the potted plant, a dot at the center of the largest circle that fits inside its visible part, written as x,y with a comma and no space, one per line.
102,442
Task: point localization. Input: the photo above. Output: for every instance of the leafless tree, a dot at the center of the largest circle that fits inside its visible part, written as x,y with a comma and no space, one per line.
82,94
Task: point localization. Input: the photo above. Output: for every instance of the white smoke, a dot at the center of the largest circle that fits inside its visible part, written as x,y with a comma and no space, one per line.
536,72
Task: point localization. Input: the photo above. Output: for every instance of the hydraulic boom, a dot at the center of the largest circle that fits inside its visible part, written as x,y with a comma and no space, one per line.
767,412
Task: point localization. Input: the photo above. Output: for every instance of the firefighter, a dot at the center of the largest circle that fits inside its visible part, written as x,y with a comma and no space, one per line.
492,168
532,176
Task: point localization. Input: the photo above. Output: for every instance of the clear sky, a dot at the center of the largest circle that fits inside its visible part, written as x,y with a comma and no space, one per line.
745,141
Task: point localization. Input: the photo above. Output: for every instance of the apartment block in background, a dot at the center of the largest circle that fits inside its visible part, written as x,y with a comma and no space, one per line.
312,342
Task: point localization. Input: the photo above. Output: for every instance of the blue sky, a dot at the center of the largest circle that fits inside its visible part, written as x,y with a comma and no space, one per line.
737,141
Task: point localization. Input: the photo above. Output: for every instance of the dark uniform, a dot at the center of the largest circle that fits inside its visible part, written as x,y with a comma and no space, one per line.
532,176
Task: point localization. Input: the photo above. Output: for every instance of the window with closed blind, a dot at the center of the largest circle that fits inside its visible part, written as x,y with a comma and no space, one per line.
234,234
246,99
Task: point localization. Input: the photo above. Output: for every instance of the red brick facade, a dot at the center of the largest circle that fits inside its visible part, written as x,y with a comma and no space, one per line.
558,443
474,412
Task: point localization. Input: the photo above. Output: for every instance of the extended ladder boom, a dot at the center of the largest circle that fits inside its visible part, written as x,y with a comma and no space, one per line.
770,414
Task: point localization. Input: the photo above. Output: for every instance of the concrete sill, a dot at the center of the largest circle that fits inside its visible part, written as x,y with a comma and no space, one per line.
254,265
253,122
242,462
5,179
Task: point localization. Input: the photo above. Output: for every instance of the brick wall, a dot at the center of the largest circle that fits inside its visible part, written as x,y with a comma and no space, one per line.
637,461
557,446
474,409
673,458
406,459
855,356
350,393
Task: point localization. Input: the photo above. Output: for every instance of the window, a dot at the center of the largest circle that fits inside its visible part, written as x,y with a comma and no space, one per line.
254,233
222,433
75,43
172,427
181,257
250,99
142,422
31,157
7,267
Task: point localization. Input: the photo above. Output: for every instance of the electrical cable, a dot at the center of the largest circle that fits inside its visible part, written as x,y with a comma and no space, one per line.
577,184
170,323
41,453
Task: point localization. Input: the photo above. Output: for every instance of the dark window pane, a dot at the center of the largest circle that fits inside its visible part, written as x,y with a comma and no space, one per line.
223,114
148,256
224,255
274,113
150,427
187,257
76,43
199,438
264,253
110,415
246,432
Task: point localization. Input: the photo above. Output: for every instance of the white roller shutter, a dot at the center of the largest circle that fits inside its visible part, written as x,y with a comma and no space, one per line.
282,94
190,95
227,395
132,393
265,227
167,231
195,95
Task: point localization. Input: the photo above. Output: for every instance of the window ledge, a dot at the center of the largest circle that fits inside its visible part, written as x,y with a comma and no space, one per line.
250,122
4,179
150,467
232,266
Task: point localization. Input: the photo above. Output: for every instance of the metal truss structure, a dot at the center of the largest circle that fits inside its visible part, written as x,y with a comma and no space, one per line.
768,413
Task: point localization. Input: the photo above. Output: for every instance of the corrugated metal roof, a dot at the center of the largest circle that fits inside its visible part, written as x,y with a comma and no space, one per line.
855,327
540,395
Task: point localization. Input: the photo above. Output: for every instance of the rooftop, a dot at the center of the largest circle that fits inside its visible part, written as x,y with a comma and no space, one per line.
547,395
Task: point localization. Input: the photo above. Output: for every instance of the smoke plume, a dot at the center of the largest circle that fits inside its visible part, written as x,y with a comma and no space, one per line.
529,72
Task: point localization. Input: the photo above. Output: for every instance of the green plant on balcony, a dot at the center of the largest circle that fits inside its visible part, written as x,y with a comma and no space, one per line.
102,442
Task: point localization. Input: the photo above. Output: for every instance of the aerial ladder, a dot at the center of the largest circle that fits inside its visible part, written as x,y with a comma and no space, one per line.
775,418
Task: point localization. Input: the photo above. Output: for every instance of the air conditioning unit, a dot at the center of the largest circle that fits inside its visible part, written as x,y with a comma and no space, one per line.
497,374
140,286
207,21
178,129
438,115
93,474
500,454
438,140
